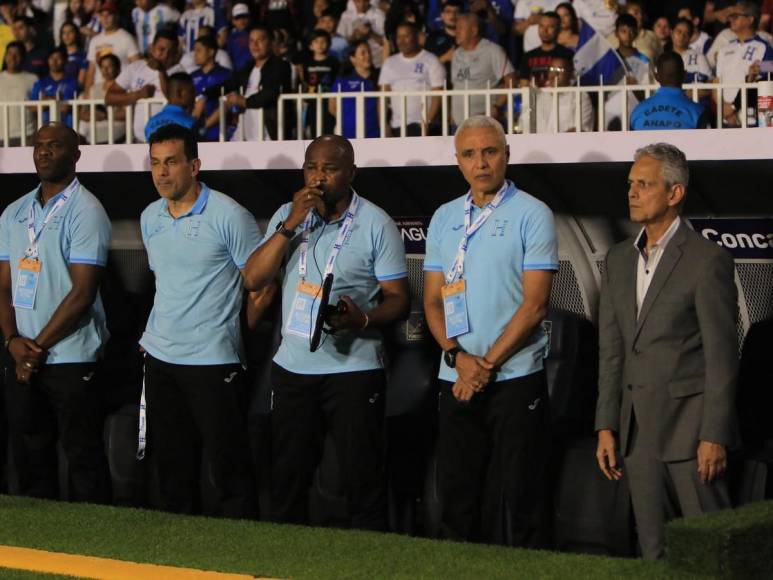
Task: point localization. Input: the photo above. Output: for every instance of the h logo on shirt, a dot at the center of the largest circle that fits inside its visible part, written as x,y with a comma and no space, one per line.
749,54
499,228
419,68
692,60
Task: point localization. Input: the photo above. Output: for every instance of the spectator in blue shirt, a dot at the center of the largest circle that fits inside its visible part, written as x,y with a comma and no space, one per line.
179,107
359,76
209,74
56,86
77,64
669,108
238,43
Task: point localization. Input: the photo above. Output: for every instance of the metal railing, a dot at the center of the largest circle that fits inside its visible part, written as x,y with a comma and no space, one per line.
508,104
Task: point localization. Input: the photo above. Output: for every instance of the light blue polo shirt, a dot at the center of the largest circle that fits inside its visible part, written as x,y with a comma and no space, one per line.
519,235
196,259
79,233
373,252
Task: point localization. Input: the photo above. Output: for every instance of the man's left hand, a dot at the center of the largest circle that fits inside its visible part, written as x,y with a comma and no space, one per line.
712,461
462,391
352,318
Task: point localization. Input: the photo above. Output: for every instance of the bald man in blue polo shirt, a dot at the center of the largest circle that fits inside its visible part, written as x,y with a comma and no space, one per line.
330,232
488,269
198,242
53,249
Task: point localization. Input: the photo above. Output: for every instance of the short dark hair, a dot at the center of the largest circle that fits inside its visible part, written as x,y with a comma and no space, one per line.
18,45
180,78
174,132
687,22
329,12
58,49
167,33
408,24
264,28
209,30
112,58
317,33
553,15
626,20
207,42
455,3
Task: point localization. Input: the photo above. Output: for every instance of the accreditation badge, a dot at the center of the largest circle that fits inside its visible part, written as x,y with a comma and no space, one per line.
27,283
303,313
455,308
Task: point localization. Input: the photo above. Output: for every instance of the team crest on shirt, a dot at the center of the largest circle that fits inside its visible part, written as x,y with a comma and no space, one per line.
498,228
192,228
419,68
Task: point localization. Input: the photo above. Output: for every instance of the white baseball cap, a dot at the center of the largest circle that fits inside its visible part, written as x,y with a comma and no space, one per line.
240,10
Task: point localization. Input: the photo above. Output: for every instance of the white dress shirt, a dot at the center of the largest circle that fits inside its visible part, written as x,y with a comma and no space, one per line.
649,260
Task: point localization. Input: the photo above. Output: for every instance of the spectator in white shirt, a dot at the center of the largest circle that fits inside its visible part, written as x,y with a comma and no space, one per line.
145,79
365,22
739,61
112,40
413,69
560,74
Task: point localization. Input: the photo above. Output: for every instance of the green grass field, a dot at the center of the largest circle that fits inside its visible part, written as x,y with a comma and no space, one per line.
264,549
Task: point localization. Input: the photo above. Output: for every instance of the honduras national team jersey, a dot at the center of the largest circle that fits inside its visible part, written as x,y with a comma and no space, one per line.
148,23
191,20
64,89
734,60
696,67
354,83
519,235
196,259
201,82
372,252
79,233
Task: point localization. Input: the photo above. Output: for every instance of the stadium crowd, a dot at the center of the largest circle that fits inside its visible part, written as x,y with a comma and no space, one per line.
251,52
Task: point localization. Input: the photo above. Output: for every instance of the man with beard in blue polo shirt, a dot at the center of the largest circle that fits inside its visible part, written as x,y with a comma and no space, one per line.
669,108
198,242
489,265
53,248
329,230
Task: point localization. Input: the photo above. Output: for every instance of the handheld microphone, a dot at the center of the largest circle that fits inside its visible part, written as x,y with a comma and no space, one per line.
322,313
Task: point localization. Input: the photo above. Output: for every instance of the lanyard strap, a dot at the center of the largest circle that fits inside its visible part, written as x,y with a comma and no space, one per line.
32,249
343,231
457,270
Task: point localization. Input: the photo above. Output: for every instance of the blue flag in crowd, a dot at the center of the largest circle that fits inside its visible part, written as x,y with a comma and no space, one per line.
595,59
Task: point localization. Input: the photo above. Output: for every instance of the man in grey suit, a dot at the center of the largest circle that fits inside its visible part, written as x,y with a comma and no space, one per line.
668,358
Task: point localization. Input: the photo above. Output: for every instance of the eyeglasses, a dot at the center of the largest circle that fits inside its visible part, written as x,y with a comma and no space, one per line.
735,15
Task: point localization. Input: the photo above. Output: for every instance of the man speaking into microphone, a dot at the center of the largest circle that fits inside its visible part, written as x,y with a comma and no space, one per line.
328,230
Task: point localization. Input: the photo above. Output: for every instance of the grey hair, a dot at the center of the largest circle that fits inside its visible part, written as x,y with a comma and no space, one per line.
673,163
481,122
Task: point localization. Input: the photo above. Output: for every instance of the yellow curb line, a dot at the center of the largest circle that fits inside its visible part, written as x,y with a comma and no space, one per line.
101,568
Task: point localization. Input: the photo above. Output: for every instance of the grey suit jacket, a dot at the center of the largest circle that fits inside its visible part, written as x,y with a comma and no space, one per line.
675,366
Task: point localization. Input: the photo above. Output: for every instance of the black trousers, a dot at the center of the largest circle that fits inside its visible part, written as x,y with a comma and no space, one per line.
194,410
62,403
492,461
351,406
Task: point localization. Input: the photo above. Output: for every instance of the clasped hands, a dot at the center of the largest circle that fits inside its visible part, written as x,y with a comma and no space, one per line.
28,356
475,372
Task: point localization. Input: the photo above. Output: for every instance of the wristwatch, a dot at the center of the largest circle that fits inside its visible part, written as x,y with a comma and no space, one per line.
450,356
286,232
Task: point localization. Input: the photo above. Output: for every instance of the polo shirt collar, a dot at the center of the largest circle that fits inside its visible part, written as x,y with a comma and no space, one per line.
198,207
318,218
508,186
72,187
